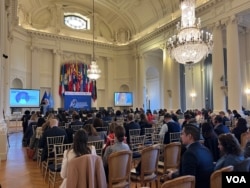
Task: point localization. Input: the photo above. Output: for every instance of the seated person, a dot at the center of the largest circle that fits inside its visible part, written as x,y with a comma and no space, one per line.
169,126
54,130
241,127
117,146
93,135
197,160
230,150
247,150
211,140
78,149
219,127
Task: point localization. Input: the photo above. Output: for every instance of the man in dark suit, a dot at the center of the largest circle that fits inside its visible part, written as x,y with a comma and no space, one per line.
219,128
197,160
130,124
73,127
54,130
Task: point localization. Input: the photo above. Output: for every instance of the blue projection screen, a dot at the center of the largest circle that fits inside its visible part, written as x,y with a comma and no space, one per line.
22,98
123,99
77,100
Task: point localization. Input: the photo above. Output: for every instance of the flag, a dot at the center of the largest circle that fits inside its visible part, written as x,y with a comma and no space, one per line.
94,91
45,96
51,100
61,85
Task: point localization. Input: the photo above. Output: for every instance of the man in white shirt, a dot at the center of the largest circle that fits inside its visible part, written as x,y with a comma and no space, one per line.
168,127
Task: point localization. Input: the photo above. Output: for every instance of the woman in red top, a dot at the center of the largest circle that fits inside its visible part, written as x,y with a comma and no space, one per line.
150,117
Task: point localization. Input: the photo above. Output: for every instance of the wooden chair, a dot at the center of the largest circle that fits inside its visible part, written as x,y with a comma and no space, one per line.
244,138
55,168
98,146
119,173
172,157
216,177
149,165
51,141
187,181
175,137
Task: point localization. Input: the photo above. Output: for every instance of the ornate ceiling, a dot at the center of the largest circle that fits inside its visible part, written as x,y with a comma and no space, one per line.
116,21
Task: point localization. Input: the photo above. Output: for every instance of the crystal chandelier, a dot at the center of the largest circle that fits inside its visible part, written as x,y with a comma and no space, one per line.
190,44
93,71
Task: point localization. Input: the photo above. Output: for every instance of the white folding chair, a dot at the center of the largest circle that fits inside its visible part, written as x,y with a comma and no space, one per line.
55,168
98,146
175,137
136,146
149,136
51,141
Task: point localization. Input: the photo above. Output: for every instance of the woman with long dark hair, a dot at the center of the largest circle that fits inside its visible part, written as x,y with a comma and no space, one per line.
231,153
241,127
78,149
210,140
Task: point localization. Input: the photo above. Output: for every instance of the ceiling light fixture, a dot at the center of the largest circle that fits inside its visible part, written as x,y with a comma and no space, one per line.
93,71
190,44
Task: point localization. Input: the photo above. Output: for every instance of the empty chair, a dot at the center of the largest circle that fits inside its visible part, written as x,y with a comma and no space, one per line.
148,166
216,177
98,146
119,173
187,181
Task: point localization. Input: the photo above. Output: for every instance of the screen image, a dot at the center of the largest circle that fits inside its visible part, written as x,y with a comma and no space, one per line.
24,98
123,99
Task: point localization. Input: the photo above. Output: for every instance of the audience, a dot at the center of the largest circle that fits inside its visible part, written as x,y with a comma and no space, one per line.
78,149
236,114
224,117
219,127
231,153
211,140
93,135
144,123
130,124
241,127
247,150
54,130
117,146
168,127
197,160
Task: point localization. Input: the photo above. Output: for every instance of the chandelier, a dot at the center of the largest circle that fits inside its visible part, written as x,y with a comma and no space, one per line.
93,71
190,44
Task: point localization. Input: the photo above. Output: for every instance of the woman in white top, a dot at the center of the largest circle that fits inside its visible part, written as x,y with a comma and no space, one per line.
78,149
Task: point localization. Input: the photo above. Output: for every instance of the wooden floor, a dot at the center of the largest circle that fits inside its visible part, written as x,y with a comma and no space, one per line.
20,172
